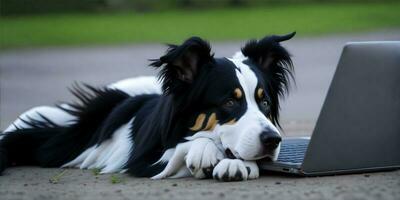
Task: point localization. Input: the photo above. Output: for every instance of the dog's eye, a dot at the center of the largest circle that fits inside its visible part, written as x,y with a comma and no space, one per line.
229,103
264,104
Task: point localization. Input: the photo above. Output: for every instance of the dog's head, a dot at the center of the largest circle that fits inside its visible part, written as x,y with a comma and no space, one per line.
233,100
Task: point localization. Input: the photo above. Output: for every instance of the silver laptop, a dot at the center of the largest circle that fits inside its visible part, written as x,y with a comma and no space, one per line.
358,129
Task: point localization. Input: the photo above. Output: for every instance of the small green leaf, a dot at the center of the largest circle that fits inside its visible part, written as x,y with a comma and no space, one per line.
96,171
114,179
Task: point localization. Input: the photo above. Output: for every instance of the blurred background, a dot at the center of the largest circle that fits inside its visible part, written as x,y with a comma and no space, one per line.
46,45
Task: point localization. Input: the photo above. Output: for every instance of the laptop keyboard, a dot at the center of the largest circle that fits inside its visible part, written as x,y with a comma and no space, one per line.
293,150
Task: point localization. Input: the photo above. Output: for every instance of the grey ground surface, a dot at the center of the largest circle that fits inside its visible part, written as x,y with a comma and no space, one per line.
34,77
32,183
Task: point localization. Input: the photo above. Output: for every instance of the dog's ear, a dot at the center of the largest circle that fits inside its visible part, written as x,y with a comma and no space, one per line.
180,64
274,61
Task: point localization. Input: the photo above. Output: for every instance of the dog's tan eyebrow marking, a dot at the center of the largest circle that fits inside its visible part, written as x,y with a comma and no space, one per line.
211,123
260,93
199,122
238,93
233,121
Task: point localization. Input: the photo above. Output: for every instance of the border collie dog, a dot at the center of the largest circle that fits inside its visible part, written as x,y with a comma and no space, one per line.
204,116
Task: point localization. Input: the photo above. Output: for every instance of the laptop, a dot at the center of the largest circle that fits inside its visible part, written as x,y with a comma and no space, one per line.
358,129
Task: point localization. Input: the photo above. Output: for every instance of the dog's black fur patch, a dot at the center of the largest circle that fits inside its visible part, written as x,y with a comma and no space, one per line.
274,62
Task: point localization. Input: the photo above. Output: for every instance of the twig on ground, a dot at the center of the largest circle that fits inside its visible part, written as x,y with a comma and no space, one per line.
56,178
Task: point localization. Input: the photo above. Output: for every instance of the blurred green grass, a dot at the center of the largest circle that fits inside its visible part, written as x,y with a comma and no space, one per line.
216,24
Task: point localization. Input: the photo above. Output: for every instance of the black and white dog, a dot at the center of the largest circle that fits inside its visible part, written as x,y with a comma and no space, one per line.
206,117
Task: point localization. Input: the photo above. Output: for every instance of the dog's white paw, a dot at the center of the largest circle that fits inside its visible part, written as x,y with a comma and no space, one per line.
252,169
202,157
235,170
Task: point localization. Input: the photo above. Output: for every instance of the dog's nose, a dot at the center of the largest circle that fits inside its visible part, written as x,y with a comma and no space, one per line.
270,139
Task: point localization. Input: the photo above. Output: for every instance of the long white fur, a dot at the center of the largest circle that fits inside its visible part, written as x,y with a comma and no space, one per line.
57,115
110,156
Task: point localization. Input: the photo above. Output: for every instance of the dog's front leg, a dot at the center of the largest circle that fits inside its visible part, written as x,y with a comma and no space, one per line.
235,170
202,157
176,162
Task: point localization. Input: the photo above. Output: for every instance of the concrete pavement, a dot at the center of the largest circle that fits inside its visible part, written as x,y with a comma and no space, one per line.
33,183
